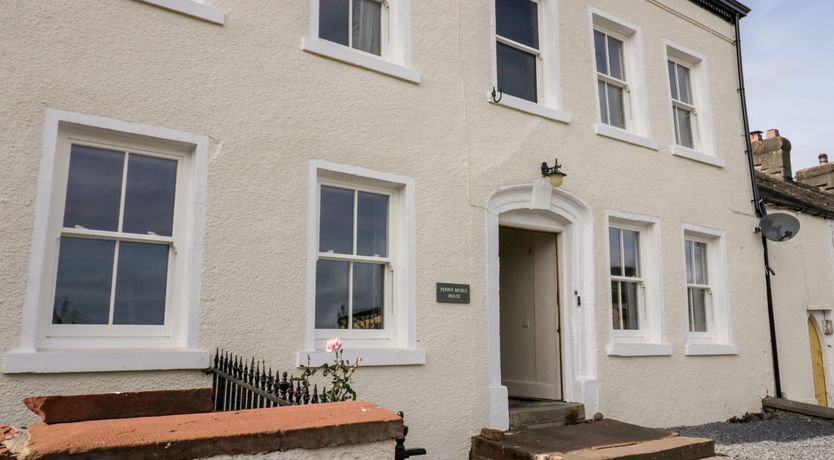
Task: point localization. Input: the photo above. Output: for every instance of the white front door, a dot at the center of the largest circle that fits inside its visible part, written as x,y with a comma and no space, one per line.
529,311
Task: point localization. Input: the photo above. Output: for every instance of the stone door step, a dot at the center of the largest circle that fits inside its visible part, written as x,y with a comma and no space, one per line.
535,414
603,440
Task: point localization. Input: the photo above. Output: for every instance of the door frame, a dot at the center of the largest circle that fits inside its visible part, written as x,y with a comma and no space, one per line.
817,319
538,206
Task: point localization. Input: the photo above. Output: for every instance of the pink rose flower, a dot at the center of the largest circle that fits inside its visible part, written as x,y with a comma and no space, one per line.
333,344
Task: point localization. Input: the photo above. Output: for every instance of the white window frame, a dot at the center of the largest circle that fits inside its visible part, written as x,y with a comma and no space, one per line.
397,343
173,346
396,43
703,127
635,98
648,340
718,339
548,83
200,9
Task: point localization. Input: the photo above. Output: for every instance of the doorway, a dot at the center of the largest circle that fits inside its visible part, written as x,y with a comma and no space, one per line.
817,364
529,314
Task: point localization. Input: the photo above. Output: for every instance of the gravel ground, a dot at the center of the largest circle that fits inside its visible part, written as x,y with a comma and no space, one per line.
777,439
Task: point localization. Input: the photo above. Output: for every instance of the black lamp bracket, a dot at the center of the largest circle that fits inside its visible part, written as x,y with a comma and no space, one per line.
555,170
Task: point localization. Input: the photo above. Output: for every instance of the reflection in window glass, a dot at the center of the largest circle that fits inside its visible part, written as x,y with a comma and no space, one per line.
615,58
333,20
516,72
149,195
372,224
94,188
624,254
141,283
368,295
85,275
697,289
518,20
332,279
616,110
336,220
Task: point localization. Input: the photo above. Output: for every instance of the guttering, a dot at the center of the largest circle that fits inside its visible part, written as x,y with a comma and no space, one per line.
725,9
758,203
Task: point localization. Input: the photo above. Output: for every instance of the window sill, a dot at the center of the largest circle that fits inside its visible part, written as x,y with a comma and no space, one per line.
191,8
370,356
710,349
625,136
359,59
531,107
110,360
639,349
683,152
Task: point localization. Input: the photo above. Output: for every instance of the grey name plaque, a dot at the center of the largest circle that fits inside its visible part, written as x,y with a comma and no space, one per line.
452,293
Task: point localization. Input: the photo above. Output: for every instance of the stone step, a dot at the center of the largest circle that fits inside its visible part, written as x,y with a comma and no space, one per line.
603,440
545,414
676,448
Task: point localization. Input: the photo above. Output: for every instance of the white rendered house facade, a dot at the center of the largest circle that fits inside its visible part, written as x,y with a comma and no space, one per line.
261,177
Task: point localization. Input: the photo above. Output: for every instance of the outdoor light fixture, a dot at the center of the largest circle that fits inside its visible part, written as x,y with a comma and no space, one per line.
554,174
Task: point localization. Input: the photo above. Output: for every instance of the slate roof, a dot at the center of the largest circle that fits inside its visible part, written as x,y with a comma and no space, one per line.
795,196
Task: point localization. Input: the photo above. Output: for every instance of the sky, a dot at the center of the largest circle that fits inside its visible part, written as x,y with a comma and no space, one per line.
788,50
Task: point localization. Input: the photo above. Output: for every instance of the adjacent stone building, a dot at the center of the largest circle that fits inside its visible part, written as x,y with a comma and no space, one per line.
803,287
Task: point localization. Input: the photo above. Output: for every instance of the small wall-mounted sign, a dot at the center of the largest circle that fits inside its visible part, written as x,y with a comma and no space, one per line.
452,293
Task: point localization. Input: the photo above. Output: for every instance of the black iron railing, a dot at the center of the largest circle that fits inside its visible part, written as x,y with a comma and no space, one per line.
239,384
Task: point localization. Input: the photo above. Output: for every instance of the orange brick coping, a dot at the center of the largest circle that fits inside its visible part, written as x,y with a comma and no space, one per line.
77,408
218,433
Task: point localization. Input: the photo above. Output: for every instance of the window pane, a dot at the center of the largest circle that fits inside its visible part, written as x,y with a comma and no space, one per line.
516,72
599,52
697,310
673,85
630,308
603,102
614,245
85,276
367,26
332,294
141,280
368,295
336,220
683,84
372,224
631,253
616,111
615,58
684,125
699,252
333,20
690,277
94,188
615,305
518,20
149,195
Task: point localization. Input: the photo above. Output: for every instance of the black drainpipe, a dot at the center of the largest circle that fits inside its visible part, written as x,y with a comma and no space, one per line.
761,211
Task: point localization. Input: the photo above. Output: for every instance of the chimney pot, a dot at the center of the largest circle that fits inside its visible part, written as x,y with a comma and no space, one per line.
755,136
823,157
773,132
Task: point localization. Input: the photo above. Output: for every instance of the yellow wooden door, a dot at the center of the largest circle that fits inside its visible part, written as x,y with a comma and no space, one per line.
817,365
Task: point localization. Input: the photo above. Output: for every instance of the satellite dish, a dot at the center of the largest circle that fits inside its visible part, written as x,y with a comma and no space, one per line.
779,227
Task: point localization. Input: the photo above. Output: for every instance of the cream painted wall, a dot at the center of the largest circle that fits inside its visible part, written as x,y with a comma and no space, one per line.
803,285
269,108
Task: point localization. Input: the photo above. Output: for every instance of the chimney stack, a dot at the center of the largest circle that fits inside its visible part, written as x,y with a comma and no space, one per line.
820,176
772,155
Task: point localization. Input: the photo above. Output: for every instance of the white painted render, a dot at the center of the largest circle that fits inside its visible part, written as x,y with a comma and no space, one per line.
380,450
803,287
268,108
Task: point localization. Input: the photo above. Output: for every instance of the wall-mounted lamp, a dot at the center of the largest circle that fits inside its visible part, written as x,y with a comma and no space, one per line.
553,174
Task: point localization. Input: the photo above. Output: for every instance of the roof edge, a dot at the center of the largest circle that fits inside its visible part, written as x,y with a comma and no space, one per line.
725,9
